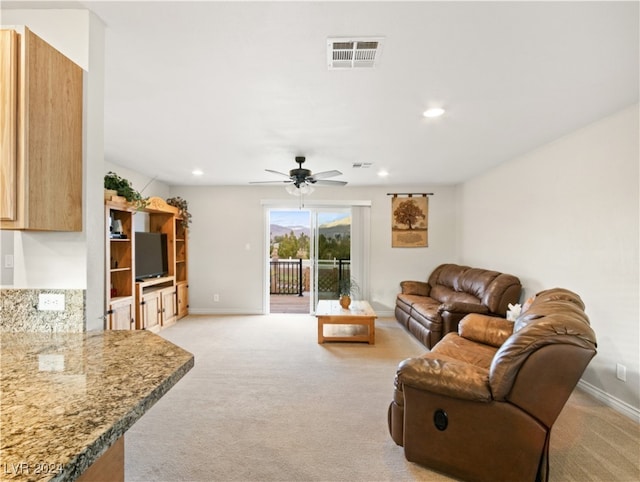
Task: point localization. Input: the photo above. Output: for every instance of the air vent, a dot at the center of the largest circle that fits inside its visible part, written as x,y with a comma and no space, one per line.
352,53
362,165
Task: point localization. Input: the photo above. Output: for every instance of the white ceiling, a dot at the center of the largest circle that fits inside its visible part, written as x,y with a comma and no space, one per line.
234,88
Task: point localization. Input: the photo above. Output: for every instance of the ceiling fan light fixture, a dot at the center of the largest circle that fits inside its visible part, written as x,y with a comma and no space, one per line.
302,190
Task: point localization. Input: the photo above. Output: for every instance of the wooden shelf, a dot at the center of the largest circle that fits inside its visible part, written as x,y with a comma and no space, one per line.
119,282
154,302
117,299
156,283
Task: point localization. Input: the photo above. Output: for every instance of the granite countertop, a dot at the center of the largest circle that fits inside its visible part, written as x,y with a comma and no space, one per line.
65,398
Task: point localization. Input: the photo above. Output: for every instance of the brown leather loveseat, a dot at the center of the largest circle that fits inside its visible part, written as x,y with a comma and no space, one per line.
429,310
480,406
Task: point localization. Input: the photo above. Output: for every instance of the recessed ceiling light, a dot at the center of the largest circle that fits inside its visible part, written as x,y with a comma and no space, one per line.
197,172
433,112
382,173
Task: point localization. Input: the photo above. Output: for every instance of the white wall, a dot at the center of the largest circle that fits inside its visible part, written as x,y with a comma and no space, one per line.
228,219
6,249
69,260
93,175
567,215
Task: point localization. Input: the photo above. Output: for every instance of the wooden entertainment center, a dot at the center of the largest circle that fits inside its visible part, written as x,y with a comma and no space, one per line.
149,304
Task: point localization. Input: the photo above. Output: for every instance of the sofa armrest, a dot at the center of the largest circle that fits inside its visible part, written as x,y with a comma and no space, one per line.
447,377
489,330
462,307
419,288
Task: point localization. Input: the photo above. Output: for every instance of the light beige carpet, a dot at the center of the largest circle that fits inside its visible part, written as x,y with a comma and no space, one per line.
265,402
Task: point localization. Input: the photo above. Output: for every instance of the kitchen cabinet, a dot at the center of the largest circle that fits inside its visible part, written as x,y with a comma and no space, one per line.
149,310
121,315
182,298
156,303
41,131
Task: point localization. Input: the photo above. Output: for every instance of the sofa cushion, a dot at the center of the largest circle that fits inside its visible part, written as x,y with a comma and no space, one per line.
555,294
447,275
569,310
464,350
427,308
410,300
425,331
489,330
504,289
454,306
415,288
446,376
475,281
444,294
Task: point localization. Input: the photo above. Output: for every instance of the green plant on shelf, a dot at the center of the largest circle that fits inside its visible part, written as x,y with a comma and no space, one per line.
183,206
124,188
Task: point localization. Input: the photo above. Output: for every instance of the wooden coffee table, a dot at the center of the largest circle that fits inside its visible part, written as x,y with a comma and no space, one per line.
357,323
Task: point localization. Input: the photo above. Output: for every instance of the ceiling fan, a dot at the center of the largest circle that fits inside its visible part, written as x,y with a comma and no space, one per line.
300,177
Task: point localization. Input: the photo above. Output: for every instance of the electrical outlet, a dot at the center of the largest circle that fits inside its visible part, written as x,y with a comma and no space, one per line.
51,302
216,298
8,261
621,372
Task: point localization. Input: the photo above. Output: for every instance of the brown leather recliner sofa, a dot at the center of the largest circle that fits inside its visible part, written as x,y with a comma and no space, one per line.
429,310
480,406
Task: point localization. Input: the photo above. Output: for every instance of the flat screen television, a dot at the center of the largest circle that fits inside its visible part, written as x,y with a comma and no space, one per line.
151,255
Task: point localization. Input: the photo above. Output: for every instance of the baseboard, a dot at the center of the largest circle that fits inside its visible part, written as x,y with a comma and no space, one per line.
207,311
618,405
385,314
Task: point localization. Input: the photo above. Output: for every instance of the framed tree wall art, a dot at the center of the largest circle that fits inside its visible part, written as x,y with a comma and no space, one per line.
409,221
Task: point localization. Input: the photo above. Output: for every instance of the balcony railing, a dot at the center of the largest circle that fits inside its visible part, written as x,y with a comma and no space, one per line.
291,276
286,277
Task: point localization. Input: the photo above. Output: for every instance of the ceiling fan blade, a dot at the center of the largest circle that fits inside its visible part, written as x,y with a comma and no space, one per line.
329,183
325,174
288,181
277,172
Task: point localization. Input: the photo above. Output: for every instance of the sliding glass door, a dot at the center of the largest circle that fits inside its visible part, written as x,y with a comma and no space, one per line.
332,251
310,250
